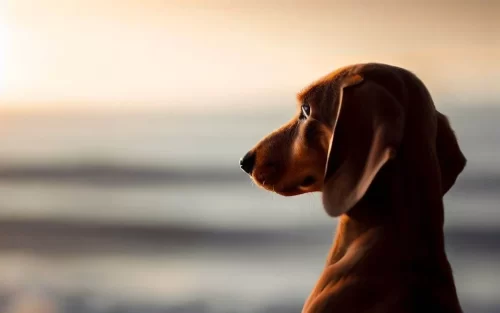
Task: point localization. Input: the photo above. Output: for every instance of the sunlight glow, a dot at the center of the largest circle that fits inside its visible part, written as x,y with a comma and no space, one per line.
173,54
4,42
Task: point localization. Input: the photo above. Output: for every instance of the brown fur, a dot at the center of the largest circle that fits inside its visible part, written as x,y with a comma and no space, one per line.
383,157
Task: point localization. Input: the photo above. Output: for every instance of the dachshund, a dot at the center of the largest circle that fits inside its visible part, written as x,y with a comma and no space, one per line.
369,137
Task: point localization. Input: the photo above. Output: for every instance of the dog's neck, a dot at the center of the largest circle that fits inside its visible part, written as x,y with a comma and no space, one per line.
405,218
392,232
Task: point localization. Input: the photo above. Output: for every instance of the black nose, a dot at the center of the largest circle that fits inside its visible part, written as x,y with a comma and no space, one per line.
247,162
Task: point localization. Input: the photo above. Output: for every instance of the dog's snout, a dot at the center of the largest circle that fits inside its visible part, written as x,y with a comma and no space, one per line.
247,162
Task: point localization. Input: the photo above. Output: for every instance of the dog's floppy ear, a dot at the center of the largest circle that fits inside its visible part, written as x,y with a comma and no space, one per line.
451,159
367,128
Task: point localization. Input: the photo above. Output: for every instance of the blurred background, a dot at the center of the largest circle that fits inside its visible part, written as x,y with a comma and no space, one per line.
122,123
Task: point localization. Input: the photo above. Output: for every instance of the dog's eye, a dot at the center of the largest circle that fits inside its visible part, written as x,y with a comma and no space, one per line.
306,110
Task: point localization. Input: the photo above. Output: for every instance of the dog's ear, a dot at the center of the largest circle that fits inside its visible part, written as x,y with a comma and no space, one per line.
450,157
367,128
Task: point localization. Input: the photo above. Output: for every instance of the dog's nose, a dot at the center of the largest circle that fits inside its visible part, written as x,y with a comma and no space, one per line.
247,162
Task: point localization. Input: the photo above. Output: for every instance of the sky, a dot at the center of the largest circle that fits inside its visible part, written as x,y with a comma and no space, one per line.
186,54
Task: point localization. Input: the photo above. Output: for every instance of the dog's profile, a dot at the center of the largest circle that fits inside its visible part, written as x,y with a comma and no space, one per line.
369,137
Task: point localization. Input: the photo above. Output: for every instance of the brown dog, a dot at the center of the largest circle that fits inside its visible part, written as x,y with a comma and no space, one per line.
369,137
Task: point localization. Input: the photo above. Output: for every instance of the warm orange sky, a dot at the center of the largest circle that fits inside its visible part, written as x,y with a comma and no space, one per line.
177,53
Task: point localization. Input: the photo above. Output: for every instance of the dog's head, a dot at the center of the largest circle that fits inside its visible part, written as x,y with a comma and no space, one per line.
347,126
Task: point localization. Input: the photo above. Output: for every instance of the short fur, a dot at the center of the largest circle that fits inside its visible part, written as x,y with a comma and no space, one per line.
383,157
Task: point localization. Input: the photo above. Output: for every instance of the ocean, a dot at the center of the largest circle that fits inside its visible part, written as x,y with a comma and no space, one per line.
149,212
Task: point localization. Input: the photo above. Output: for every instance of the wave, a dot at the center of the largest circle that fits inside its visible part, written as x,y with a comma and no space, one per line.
49,236
114,175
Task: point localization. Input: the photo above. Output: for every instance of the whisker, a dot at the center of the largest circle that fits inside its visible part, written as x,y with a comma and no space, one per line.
253,183
311,203
273,194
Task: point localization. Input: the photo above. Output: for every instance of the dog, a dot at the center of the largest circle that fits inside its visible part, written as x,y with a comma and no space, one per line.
369,137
